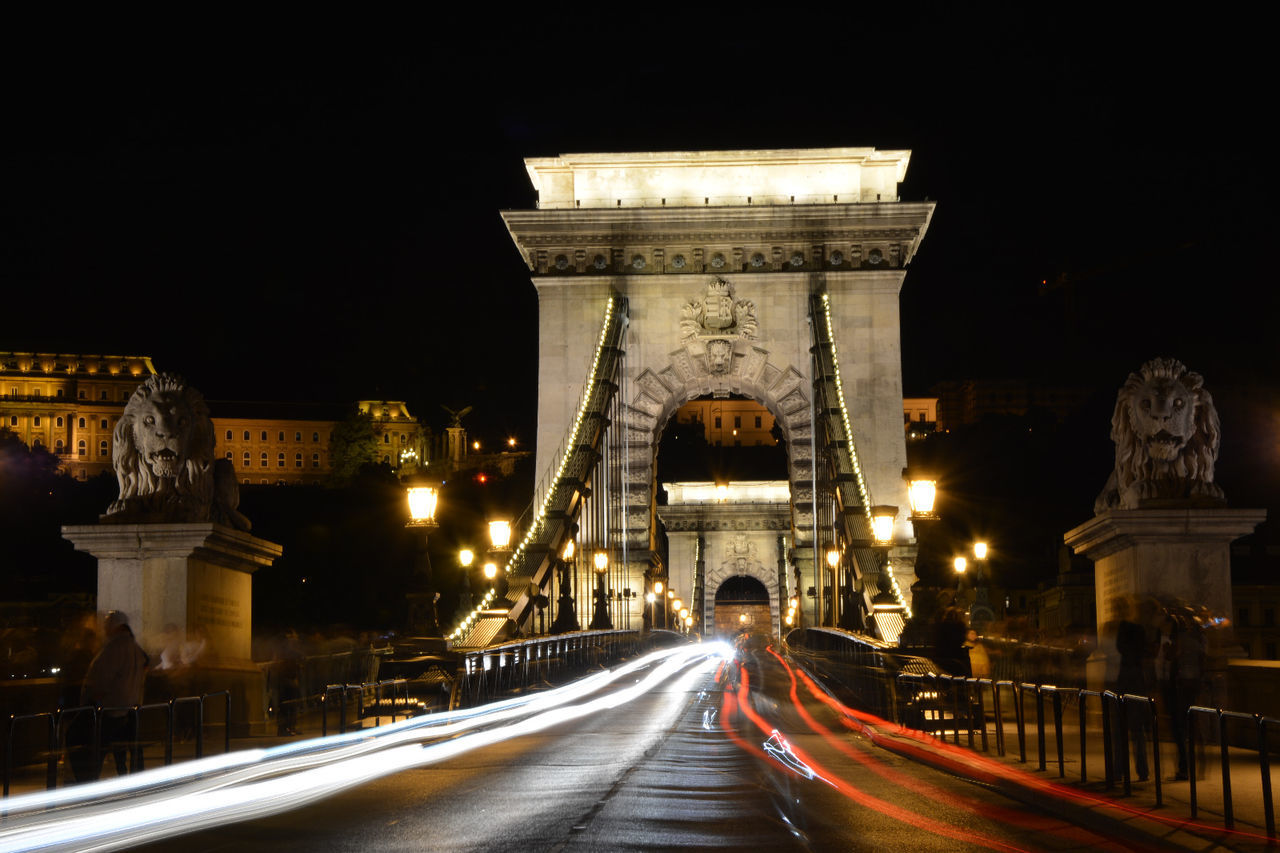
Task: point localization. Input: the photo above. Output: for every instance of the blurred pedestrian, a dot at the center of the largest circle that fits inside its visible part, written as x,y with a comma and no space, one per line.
114,682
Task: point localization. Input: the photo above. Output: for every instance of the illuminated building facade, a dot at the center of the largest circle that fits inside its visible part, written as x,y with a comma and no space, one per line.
69,405
730,423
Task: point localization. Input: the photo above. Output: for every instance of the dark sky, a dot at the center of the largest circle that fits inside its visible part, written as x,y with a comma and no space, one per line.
317,218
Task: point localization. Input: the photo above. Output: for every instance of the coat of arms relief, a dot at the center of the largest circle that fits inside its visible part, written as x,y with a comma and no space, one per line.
710,324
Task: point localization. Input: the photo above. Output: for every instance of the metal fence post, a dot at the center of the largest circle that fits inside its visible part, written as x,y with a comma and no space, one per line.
1264,765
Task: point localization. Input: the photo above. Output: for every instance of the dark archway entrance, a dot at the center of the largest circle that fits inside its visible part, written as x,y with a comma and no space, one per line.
742,603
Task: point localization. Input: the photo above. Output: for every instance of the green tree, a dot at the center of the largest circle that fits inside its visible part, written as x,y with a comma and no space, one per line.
353,446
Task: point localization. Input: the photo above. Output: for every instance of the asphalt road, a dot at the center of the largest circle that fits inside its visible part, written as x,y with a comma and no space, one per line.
685,765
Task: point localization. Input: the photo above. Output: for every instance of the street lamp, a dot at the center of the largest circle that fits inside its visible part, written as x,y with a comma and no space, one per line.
882,519
980,550
423,500
465,558
500,534
566,609
922,491
600,619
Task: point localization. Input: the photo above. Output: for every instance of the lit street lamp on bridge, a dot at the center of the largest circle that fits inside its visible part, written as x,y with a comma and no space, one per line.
566,613
600,620
423,501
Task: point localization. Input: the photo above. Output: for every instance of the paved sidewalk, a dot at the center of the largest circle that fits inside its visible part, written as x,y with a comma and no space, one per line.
1136,817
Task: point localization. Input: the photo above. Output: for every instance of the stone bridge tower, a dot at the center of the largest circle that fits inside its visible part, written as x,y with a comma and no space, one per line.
718,253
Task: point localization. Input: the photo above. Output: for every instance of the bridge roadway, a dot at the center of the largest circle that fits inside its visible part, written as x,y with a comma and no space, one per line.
681,766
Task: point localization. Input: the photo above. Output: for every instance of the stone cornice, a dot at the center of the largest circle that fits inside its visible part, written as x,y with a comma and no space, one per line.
792,226
1115,529
216,543
727,516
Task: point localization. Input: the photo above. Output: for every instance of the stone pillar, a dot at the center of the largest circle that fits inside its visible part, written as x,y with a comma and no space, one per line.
1166,553
197,574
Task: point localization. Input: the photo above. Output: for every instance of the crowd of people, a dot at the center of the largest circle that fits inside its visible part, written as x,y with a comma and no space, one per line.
1173,653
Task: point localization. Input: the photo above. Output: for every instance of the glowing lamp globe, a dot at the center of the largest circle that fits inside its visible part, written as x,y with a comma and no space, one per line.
602,562
500,534
980,550
422,505
882,518
922,494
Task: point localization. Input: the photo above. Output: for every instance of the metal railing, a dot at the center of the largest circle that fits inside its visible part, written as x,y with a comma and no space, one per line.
399,705
489,673
56,732
910,691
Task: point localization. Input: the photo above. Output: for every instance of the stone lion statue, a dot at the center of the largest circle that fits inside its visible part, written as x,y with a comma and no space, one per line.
164,459
1167,434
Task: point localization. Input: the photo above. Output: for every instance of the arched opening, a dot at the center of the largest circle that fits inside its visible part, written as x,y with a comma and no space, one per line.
742,605
721,440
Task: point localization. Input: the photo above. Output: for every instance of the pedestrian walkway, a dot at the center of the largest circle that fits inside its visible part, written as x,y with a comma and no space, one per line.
1161,813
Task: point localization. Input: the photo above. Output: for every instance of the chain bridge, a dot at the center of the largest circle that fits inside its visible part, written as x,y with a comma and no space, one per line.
663,278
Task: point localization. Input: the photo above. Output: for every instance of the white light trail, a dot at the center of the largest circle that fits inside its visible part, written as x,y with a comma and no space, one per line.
224,789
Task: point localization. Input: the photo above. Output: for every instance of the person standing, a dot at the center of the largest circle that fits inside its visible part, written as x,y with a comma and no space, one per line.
114,682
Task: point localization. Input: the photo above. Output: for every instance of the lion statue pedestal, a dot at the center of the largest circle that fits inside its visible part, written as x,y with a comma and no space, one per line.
1161,527
173,551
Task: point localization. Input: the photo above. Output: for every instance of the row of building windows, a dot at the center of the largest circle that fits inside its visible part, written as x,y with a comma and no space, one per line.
82,447
59,422
263,460
82,395
737,422
297,436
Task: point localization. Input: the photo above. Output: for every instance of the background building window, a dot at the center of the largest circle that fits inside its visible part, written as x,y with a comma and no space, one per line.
228,435
82,423
297,460
280,436
315,436
297,436
102,448
59,422
263,460
102,424
264,435
35,421
279,460
81,448
315,460
246,435
13,420
102,395
248,460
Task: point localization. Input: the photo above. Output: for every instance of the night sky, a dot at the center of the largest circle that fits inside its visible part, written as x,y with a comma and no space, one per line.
317,218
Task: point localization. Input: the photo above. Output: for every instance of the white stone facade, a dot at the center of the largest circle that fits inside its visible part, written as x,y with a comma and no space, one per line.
844,234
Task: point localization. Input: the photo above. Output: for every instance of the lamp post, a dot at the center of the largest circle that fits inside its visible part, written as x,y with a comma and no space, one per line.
600,619
980,612
499,542
423,501
566,609
961,565
650,598
833,562
465,558
657,591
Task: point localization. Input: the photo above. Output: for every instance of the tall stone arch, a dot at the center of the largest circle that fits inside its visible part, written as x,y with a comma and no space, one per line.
659,393
718,254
